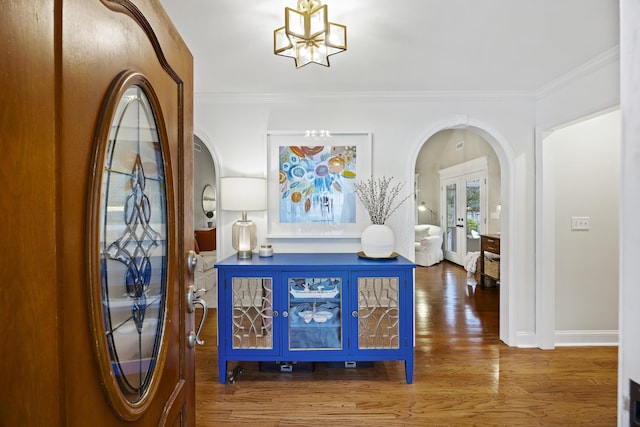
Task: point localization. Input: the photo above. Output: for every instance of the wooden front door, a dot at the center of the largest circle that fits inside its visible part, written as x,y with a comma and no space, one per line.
99,118
126,175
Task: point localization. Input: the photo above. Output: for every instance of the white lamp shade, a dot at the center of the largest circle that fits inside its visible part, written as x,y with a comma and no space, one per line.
243,194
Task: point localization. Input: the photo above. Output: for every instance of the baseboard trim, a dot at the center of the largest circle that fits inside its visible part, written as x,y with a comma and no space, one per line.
587,338
577,338
526,340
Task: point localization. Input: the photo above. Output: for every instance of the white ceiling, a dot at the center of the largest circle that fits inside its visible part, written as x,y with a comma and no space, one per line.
400,45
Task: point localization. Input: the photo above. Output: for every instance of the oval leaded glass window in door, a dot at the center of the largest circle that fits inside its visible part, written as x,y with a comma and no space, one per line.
133,243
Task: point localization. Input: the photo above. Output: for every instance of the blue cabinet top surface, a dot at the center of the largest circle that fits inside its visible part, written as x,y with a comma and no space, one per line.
312,260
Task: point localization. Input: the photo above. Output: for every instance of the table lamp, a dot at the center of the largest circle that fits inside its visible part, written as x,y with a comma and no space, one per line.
243,194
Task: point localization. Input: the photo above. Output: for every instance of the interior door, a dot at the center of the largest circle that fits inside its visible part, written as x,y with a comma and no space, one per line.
126,216
463,203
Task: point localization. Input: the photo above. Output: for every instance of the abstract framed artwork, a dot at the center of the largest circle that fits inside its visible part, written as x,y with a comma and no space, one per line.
311,180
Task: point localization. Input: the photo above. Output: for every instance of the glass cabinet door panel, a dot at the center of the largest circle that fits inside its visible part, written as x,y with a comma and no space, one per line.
252,313
315,307
378,313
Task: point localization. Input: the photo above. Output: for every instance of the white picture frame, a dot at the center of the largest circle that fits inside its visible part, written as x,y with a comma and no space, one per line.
310,184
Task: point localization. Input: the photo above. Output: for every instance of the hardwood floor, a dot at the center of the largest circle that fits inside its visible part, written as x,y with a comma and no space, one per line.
464,376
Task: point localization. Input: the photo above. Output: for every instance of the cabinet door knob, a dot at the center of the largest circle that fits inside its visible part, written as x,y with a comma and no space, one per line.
285,314
354,313
275,313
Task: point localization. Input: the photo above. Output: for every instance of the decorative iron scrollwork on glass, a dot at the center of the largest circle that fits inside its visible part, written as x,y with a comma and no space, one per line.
252,313
378,313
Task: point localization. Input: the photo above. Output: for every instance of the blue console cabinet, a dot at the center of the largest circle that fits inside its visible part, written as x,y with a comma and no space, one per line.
321,307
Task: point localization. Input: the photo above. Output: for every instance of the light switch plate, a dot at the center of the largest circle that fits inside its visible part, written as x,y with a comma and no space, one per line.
580,223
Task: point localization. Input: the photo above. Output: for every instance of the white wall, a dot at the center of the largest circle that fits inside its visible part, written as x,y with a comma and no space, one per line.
236,126
583,166
586,91
629,362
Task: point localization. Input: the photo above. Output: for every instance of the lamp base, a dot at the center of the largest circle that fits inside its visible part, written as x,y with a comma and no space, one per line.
245,254
244,237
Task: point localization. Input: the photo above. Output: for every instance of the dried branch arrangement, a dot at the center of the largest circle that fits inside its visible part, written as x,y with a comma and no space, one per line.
379,197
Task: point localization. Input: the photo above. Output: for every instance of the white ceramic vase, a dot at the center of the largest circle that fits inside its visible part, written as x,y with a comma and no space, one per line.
378,241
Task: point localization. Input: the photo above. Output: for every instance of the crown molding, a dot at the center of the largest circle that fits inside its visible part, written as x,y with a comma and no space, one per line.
606,58
391,96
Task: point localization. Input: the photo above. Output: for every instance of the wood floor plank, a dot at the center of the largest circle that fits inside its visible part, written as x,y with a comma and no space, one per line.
464,376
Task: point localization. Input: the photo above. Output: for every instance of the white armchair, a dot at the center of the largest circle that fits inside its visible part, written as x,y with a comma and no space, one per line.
428,244
206,275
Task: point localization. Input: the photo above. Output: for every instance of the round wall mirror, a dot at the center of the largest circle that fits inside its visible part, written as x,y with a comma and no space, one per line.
208,199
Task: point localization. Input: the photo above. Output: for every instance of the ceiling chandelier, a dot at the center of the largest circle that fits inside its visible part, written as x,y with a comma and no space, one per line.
308,36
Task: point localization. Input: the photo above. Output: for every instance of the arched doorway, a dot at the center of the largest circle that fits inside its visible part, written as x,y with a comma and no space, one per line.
205,219
506,160
458,181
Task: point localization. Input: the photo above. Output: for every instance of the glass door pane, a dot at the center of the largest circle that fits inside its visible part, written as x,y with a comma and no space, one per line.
451,241
473,222
315,307
473,205
133,244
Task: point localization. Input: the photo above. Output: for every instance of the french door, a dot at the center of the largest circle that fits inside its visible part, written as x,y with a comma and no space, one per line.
463,203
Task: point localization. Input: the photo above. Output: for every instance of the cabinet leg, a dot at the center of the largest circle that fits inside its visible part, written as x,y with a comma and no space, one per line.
408,369
222,369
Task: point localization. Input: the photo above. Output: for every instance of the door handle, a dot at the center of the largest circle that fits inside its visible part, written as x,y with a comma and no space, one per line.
192,261
193,299
193,296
